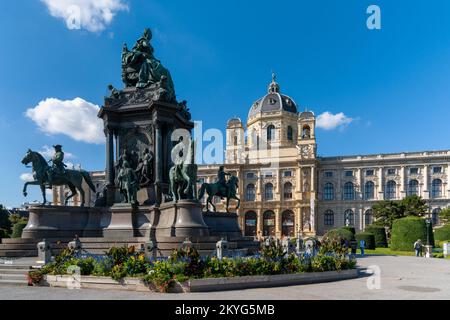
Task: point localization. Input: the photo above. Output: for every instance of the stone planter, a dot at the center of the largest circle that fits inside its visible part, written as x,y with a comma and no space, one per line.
199,285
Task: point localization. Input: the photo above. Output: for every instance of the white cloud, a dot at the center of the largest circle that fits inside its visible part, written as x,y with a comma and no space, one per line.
26,177
74,118
329,121
48,153
92,15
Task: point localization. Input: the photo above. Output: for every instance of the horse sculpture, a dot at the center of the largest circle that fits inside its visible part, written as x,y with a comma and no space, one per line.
72,178
217,189
183,177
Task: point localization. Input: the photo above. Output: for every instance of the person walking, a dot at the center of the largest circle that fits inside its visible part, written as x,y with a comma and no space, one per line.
362,246
418,248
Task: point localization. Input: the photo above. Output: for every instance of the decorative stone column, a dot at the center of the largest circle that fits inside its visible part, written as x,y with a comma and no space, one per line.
110,172
159,162
380,184
426,192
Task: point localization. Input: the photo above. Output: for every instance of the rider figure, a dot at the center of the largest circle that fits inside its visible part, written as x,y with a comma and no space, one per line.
222,177
58,167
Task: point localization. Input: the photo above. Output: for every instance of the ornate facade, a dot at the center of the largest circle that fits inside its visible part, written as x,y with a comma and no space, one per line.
287,190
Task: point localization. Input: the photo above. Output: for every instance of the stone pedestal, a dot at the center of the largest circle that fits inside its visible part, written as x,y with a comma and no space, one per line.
182,219
224,225
56,222
121,224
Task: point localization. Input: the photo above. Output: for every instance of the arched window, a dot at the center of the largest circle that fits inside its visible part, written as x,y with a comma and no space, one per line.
306,133
328,192
287,223
329,218
268,192
250,194
269,224
391,190
250,224
435,216
413,188
369,190
436,188
235,141
349,217
290,133
288,190
271,132
349,191
368,217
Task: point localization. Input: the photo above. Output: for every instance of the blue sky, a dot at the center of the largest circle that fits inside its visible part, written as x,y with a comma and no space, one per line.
392,82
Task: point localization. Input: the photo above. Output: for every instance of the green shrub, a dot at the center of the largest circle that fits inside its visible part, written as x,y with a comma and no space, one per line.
406,231
369,238
339,234
18,228
351,229
3,234
442,233
380,235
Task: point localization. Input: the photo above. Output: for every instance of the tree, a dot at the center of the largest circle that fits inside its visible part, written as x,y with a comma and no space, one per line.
444,215
5,223
386,212
414,206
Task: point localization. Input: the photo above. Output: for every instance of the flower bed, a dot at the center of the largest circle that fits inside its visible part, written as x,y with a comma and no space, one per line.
186,264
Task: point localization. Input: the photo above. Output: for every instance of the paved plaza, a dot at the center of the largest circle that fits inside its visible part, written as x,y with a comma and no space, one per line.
403,278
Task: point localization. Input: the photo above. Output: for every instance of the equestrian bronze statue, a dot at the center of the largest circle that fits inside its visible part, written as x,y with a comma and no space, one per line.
183,175
222,188
47,176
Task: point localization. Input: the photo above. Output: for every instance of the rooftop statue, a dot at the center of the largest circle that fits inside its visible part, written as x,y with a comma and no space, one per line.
57,175
141,69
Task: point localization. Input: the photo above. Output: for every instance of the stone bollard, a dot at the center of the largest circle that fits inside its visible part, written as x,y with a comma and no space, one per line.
222,249
428,251
44,252
299,245
149,250
267,242
187,244
446,247
75,245
288,246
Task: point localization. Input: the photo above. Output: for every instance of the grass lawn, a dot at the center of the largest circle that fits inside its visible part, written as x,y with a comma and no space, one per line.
389,252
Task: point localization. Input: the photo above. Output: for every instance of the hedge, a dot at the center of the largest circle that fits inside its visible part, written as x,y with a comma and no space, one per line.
368,237
18,228
406,231
380,235
443,233
351,229
339,234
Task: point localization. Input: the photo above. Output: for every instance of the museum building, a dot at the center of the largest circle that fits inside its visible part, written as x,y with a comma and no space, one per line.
286,190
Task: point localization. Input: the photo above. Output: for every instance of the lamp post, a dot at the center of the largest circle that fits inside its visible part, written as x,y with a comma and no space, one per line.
429,228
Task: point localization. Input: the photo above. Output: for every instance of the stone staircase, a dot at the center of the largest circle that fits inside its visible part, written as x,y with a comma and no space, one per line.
14,272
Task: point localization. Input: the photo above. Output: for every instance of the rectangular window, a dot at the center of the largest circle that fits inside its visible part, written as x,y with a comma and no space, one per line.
288,173
391,172
414,171
250,175
369,173
328,174
437,170
349,173
268,174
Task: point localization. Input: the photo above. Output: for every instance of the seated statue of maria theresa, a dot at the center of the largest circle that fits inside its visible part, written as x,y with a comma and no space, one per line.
141,69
